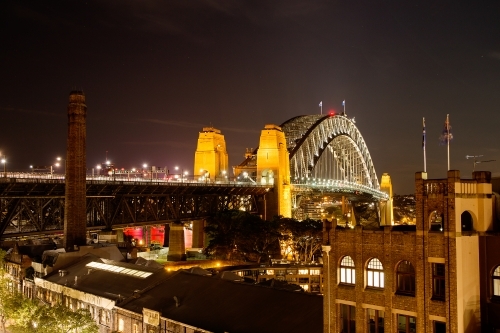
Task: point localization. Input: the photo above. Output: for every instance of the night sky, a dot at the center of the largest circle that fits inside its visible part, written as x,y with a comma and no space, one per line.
156,72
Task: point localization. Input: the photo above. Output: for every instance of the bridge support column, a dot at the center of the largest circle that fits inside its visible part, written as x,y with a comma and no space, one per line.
386,211
166,235
198,234
146,232
177,247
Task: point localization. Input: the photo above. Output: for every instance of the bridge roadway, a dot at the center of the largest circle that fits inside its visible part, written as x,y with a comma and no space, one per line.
33,204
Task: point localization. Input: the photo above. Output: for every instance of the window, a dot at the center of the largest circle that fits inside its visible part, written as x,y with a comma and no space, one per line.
347,318
315,272
407,324
121,325
439,327
135,329
405,278
496,281
347,271
466,221
375,274
375,321
438,282
436,221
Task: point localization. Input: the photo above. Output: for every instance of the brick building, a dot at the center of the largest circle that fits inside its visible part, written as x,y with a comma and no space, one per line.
147,298
440,275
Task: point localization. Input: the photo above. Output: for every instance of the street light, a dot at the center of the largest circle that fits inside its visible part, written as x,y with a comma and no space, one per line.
4,162
58,164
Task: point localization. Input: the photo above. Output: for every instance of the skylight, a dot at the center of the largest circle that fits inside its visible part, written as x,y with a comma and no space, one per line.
118,269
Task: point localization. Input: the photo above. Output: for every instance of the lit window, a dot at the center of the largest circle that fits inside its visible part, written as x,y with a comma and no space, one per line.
438,282
496,281
135,329
315,272
121,325
375,274
405,276
347,271
270,272
303,271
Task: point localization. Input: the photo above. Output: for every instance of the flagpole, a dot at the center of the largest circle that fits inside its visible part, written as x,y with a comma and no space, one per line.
321,106
448,138
423,144
343,103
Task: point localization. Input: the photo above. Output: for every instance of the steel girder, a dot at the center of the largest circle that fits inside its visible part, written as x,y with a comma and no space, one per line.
308,137
32,206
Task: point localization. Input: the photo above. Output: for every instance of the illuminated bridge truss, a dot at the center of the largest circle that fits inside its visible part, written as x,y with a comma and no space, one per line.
328,153
36,206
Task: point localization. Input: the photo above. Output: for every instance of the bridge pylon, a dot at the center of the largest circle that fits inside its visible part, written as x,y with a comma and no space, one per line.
386,209
210,159
273,167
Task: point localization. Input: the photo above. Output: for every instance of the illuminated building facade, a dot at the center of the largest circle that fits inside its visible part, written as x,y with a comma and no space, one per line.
440,275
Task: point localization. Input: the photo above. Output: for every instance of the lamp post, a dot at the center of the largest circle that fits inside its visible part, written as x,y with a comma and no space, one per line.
326,249
4,162
58,164
144,170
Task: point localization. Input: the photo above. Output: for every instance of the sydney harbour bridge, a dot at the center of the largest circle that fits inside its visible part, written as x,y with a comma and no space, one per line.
327,156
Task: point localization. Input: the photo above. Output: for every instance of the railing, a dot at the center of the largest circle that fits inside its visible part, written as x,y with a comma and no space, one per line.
123,179
340,186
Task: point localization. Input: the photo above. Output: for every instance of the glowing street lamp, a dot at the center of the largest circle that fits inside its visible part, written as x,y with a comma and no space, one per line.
59,162
4,162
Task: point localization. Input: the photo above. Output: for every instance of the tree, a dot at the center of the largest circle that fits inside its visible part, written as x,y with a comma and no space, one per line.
60,319
9,299
221,229
301,239
240,235
26,315
257,239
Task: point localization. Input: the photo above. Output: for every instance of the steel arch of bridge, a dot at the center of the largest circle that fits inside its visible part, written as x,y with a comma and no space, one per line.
329,151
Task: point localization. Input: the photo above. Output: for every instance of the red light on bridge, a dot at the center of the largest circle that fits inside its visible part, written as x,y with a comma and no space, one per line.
332,113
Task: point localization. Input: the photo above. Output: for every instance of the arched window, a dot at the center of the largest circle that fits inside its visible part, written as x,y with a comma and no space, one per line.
466,221
436,221
405,278
347,271
495,278
375,274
